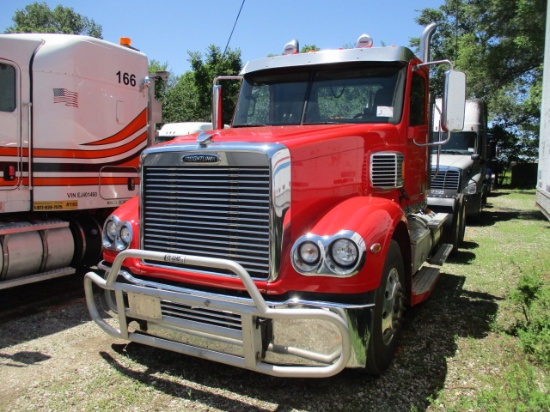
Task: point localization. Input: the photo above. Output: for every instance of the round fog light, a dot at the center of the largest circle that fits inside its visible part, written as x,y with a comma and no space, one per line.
309,253
110,230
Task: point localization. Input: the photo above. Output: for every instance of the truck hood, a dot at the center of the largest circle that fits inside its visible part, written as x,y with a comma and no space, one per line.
288,134
453,161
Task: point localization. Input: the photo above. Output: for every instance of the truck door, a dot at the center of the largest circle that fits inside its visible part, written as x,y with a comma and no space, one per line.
417,133
11,155
15,117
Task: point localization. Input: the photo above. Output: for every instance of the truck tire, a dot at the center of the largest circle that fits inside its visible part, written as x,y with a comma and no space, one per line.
475,217
460,224
454,232
388,313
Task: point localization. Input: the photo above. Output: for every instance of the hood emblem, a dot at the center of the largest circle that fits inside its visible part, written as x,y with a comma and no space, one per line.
201,158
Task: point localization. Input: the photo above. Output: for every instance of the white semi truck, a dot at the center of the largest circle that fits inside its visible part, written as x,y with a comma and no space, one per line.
458,175
543,177
75,114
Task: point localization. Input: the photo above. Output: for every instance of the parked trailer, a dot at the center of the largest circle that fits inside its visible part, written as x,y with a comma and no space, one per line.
76,112
543,177
290,243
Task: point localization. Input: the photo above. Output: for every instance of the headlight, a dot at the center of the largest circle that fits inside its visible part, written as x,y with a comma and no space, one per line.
309,253
344,252
471,189
110,230
125,236
117,235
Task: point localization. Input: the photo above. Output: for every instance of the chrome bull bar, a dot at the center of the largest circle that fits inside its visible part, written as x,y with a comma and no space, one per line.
145,305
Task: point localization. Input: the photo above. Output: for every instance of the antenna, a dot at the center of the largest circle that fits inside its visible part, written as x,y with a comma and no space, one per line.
234,25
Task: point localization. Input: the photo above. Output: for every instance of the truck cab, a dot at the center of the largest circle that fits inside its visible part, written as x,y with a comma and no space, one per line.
75,114
292,242
459,183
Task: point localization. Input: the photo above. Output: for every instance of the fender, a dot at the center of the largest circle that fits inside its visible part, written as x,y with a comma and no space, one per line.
376,220
126,212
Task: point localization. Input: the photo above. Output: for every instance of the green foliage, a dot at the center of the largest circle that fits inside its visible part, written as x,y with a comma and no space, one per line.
516,389
309,47
39,18
500,46
532,297
180,102
189,97
216,64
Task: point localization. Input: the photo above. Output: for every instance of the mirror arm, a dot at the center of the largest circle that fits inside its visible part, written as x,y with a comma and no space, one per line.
432,63
438,143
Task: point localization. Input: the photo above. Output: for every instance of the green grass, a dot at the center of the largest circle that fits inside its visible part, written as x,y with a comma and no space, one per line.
504,260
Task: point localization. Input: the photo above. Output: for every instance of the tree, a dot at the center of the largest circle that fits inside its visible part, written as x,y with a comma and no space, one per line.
309,48
216,64
38,18
189,98
500,46
181,103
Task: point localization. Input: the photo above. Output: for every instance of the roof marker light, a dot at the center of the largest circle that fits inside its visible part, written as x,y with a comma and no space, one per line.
292,47
364,41
125,41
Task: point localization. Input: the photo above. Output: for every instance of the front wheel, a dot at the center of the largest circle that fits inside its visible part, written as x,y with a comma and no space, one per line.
388,313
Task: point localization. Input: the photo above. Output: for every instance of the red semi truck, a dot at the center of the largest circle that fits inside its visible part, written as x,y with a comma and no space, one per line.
292,242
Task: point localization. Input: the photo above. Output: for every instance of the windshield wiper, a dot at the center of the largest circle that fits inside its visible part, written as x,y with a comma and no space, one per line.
451,151
249,125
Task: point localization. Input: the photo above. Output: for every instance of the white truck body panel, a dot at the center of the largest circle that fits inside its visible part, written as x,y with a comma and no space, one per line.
75,114
88,111
171,130
543,177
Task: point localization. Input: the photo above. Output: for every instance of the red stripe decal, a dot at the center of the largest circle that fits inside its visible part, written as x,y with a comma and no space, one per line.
135,125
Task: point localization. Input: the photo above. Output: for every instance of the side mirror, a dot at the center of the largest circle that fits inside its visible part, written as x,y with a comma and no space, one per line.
454,101
217,121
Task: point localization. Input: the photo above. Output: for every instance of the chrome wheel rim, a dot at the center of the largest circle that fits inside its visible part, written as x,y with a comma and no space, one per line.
391,307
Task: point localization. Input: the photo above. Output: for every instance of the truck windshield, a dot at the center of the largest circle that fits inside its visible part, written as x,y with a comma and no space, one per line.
349,94
460,143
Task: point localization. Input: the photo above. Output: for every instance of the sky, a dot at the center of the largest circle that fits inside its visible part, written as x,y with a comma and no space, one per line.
167,30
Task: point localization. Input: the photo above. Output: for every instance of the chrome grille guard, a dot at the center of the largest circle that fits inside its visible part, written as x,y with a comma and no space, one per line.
250,314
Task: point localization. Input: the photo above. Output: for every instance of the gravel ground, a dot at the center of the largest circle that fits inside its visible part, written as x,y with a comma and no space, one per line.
58,359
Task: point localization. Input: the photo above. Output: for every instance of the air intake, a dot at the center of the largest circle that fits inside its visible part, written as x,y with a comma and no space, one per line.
386,170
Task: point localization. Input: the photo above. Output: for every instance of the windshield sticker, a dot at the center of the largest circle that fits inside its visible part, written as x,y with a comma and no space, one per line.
384,111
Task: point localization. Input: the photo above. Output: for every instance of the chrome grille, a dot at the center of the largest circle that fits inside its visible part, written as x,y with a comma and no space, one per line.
386,170
445,179
201,315
209,211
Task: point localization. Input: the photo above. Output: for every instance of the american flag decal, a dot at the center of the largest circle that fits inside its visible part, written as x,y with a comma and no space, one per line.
61,95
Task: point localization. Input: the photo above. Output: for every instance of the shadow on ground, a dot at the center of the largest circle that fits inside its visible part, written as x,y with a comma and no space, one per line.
418,372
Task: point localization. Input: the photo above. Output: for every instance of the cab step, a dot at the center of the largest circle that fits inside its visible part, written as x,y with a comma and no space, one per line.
442,254
423,284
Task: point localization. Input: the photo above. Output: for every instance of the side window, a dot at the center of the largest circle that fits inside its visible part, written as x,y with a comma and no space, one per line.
7,88
418,101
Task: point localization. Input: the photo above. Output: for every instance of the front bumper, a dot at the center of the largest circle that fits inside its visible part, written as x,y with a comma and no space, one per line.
294,338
